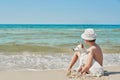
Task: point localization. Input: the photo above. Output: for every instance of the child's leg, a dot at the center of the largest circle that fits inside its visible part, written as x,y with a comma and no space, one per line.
73,60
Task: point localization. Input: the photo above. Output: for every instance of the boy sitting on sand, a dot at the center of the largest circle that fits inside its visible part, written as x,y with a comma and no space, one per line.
91,60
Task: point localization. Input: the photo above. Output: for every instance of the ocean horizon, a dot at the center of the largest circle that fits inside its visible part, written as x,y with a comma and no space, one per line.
59,25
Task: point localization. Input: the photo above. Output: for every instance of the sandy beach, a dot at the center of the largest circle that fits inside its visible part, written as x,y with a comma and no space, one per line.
112,73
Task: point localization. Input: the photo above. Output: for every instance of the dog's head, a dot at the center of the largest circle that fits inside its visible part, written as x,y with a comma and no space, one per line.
79,47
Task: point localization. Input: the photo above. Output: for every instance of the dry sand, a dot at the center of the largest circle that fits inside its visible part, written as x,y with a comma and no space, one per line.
112,73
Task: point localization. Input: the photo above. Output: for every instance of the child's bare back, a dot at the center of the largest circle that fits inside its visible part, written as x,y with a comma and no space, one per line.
97,53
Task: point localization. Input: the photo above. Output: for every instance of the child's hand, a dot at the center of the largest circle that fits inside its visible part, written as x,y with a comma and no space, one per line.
68,72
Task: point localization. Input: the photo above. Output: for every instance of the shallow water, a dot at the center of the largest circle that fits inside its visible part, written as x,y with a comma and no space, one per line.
27,61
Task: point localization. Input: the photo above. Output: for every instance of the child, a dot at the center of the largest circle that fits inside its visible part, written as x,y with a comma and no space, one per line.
91,60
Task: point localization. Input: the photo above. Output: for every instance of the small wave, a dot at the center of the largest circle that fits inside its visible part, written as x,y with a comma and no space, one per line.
32,61
35,62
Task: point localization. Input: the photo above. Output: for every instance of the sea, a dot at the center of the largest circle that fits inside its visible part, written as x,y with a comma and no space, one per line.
50,46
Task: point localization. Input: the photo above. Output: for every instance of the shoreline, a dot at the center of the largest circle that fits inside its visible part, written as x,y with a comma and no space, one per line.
113,73
27,61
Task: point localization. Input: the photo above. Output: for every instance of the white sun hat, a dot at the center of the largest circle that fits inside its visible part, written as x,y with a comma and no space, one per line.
89,34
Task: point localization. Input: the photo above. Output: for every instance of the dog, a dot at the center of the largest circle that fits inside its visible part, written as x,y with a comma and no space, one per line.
83,54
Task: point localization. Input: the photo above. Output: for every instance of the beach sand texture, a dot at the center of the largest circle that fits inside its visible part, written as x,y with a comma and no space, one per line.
112,73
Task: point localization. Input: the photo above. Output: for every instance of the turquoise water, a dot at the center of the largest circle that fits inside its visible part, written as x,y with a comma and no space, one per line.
58,26
55,38
43,47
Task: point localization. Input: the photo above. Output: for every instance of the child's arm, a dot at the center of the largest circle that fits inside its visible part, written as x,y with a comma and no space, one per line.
89,62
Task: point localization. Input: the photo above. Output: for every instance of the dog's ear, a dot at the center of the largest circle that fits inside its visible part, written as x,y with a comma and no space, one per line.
82,45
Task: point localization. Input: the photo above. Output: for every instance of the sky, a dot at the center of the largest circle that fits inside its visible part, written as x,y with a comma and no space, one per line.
59,11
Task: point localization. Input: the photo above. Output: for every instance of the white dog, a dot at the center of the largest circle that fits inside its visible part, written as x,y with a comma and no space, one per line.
83,54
